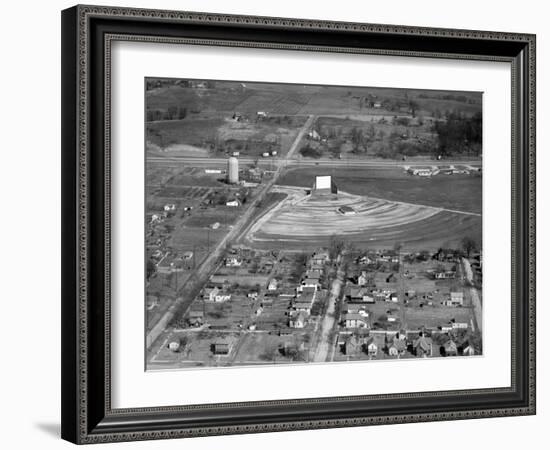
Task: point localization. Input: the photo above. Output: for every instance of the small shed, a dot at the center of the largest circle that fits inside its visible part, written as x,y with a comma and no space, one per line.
221,348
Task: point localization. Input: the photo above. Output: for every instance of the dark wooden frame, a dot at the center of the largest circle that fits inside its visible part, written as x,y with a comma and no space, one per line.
87,32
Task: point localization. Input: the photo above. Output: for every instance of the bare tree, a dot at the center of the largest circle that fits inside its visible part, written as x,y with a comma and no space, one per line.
468,245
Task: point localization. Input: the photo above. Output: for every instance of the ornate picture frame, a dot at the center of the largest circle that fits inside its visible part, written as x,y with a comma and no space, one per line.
87,35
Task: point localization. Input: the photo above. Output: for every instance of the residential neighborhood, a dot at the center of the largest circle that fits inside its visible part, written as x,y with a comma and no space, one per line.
296,224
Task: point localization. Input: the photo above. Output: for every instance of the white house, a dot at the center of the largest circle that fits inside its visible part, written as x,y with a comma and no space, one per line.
362,280
355,320
210,293
222,297
272,286
233,261
297,320
457,298
311,283
314,135
469,350
372,347
233,203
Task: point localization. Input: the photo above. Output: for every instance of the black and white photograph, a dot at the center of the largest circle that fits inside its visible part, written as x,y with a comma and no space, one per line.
275,225
292,223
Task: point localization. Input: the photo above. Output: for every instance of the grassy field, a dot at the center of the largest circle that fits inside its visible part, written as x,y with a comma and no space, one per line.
418,223
196,132
249,97
458,192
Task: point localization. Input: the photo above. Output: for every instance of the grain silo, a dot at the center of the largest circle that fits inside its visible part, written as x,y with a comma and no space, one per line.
232,170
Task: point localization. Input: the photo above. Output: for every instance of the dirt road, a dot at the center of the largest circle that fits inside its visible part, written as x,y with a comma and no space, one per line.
324,344
476,302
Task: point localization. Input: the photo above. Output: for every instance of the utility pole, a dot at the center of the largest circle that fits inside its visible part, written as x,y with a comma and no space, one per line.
176,269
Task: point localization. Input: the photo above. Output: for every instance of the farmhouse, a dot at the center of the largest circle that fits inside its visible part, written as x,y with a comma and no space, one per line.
272,286
233,261
233,203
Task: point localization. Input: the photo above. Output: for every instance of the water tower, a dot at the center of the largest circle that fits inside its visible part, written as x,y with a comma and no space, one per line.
232,170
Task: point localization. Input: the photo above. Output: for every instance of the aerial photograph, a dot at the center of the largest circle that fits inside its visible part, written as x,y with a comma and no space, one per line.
295,224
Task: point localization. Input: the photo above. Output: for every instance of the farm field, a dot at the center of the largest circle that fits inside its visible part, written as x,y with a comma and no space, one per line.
217,137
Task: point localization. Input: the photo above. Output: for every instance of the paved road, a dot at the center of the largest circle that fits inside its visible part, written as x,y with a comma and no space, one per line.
207,266
287,161
476,302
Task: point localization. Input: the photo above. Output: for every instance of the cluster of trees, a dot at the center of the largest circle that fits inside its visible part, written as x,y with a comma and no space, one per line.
459,134
457,98
309,151
335,246
172,113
